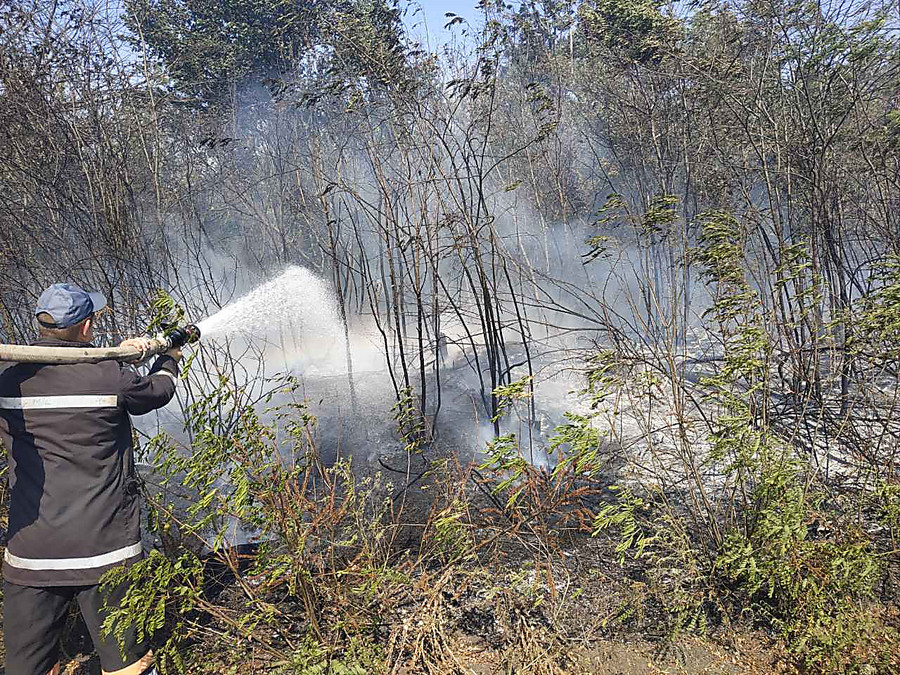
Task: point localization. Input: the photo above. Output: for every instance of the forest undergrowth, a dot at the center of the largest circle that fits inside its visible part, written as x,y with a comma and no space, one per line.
528,568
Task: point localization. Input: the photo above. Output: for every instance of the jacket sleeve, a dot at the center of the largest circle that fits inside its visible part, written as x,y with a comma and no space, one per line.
144,393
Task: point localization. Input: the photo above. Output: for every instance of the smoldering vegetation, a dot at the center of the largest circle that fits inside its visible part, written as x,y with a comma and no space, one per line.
597,302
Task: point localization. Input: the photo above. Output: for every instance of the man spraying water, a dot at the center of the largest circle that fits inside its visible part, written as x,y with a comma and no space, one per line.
74,511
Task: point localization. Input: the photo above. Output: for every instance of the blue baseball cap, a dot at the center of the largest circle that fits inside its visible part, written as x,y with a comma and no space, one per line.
68,304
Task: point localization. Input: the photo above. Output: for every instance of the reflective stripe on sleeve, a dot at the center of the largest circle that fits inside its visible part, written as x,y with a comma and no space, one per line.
167,374
61,564
48,402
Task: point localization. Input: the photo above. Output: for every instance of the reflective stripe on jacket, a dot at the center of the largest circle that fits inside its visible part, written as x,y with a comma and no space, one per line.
74,510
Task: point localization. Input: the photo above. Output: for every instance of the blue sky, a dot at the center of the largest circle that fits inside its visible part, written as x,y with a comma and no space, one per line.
433,16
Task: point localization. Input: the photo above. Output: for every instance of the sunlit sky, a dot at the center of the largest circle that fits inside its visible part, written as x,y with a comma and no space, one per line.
428,22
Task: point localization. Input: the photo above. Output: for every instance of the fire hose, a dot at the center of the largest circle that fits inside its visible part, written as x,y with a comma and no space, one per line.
173,337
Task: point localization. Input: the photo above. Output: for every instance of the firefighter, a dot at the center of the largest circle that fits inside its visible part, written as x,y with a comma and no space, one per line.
74,511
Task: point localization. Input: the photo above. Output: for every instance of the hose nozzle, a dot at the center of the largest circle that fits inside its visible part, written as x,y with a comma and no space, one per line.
180,336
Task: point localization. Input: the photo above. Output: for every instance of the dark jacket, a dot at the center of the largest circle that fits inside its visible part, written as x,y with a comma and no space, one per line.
74,511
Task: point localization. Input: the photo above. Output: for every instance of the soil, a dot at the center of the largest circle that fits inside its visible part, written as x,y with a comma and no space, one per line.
749,654
689,656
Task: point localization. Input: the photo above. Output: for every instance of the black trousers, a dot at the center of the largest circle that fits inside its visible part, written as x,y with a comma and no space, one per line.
34,617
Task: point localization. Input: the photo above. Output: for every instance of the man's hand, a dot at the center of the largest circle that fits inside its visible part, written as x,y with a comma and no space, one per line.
142,344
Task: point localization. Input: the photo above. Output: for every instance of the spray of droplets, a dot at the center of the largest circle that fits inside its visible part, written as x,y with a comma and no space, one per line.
296,304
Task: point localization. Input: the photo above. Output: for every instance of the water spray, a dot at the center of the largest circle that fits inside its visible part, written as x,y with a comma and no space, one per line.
170,337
